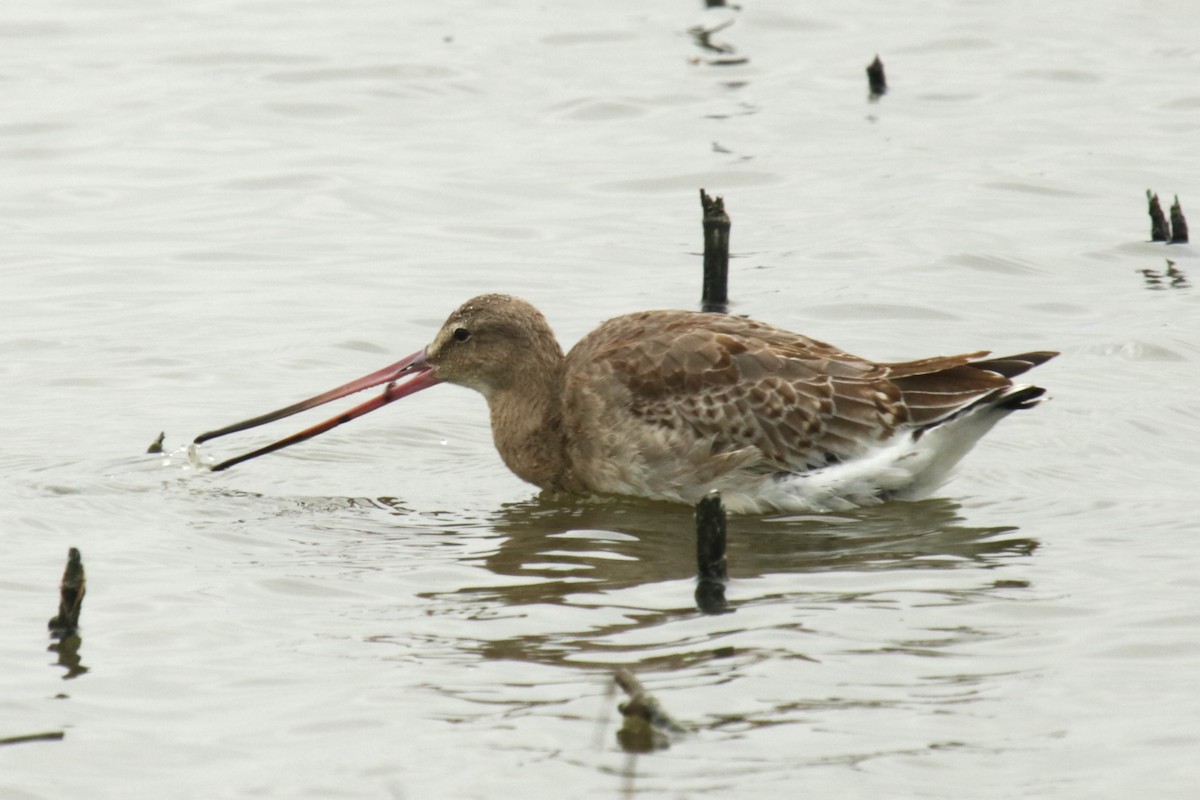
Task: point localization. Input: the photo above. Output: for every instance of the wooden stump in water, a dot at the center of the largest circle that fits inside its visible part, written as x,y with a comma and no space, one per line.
71,591
1160,231
715,296
710,555
1179,231
876,79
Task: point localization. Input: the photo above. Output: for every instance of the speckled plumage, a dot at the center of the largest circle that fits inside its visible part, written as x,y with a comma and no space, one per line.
670,404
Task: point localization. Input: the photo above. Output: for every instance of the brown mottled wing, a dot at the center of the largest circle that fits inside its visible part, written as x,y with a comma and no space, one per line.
740,384
802,403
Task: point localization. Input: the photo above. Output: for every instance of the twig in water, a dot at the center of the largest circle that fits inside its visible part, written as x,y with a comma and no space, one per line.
48,736
646,725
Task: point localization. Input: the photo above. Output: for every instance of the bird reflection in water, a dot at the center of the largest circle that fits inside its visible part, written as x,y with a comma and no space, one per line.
564,546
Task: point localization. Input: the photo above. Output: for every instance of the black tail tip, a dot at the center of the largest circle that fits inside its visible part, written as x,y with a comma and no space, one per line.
1022,398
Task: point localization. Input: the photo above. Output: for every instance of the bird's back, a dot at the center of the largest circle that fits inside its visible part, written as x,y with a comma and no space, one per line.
753,397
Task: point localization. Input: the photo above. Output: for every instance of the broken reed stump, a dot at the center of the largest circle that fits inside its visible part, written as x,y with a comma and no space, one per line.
645,725
1174,232
704,41
715,295
71,591
1179,231
876,79
1160,231
710,555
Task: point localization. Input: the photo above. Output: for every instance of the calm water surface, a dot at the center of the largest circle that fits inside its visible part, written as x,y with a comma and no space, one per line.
210,211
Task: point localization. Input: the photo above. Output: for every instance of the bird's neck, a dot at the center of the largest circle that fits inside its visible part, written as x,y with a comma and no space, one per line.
527,427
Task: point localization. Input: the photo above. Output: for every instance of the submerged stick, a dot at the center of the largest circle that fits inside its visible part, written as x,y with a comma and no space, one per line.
1160,231
716,254
48,736
710,554
703,37
71,591
876,79
1179,231
646,726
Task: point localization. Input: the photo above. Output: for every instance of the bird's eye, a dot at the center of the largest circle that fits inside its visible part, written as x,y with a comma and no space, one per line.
461,334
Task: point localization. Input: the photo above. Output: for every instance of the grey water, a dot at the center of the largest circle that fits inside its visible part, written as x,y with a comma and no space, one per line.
212,210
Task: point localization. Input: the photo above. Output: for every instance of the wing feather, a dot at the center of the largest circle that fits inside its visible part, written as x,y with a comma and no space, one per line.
749,390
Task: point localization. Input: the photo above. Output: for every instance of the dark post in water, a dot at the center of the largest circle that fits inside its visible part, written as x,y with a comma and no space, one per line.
1179,231
1160,231
876,79
716,254
710,554
71,592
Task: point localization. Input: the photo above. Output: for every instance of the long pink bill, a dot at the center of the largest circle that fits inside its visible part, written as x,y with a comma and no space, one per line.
414,367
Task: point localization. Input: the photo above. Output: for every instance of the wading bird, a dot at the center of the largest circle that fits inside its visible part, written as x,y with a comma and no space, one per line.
669,405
